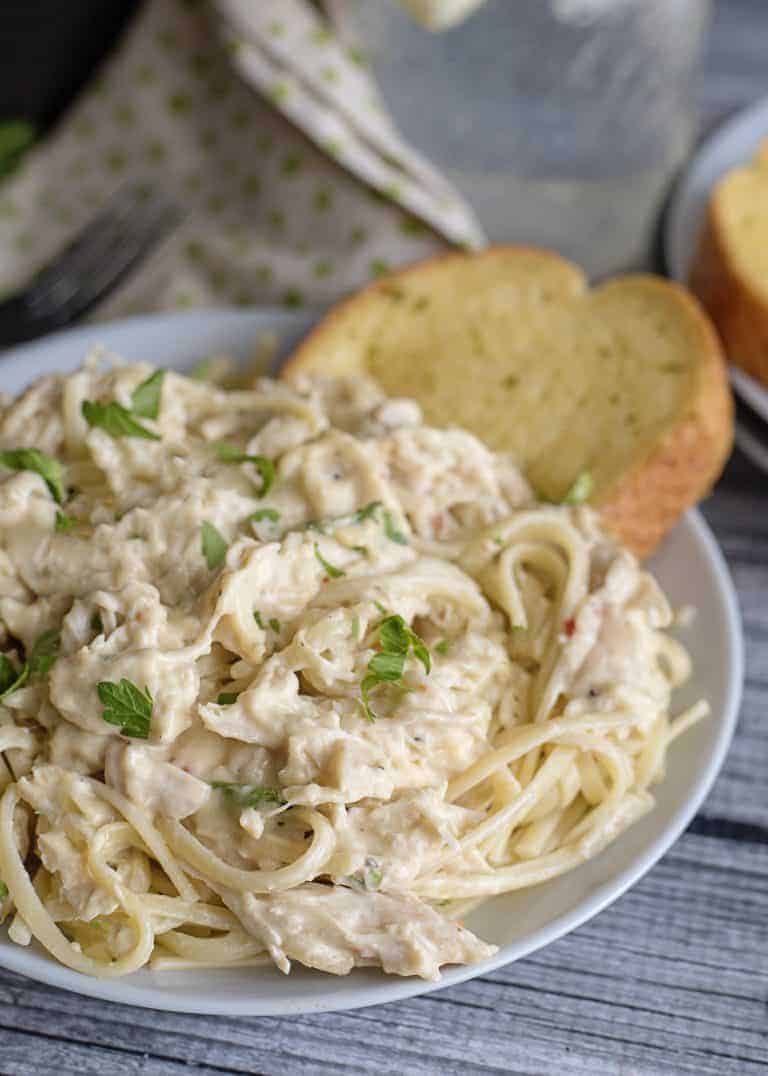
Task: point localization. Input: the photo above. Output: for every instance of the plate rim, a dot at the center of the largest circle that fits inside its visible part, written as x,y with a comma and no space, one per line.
121,990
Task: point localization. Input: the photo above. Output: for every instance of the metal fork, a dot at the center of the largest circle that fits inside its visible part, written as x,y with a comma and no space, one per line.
90,266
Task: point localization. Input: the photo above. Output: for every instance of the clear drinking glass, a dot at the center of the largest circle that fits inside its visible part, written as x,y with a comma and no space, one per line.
562,121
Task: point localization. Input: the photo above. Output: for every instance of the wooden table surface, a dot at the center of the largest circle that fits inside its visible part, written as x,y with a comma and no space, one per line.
671,979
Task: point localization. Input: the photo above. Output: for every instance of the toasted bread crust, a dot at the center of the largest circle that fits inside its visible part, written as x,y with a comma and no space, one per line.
681,466
739,313
686,463
315,341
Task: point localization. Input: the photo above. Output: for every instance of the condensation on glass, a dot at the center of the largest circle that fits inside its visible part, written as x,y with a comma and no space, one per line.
562,121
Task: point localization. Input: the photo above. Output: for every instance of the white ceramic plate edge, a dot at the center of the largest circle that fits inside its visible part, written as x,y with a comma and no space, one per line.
729,145
207,329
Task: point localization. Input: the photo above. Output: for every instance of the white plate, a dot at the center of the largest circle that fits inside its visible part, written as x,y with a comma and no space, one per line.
730,145
691,569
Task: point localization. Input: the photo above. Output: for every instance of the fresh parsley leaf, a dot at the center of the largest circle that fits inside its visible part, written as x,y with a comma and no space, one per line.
257,618
368,511
226,698
387,668
366,687
331,571
44,652
396,640
63,523
391,530
126,707
421,653
263,513
248,795
231,454
116,420
369,877
213,545
396,637
20,677
32,459
145,399
8,674
3,891
580,490
41,657
442,646
393,635
274,624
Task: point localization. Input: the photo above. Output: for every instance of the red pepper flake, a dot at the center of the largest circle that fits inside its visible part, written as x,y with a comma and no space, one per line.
570,626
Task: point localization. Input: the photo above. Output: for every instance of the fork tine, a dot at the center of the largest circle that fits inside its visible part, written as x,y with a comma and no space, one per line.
91,239
118,261
74,283
123,232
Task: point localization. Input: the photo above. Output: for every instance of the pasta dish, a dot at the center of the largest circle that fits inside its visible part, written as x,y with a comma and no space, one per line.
287,675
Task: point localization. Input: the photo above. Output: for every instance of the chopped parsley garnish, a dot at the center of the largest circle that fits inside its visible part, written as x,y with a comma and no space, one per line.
369,877
367,512
397,640
580,490
11,678
248,795
226,698
391,530
355,627
3,891
44,652
331,571
63,523
117,420
274,624
41,658
257,618
231,454
213,545
32,459
361,549
263,513
442,646
145,399
127,707
381,608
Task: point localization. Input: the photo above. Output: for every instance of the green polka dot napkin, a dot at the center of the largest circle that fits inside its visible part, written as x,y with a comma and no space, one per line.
270,215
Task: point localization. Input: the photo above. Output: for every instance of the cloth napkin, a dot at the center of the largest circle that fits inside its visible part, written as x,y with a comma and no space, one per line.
293,194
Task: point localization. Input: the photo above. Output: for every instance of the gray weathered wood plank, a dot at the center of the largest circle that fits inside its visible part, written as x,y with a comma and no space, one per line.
669,980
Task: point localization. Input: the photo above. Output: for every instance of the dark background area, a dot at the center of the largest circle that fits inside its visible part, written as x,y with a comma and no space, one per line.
49,49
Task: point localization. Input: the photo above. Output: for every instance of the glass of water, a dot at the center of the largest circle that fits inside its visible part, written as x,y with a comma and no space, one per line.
561,121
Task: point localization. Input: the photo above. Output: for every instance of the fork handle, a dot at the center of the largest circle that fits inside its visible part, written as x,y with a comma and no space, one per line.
18,322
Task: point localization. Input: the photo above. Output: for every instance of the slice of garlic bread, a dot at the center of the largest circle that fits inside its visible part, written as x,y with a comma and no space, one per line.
625,381
730,271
